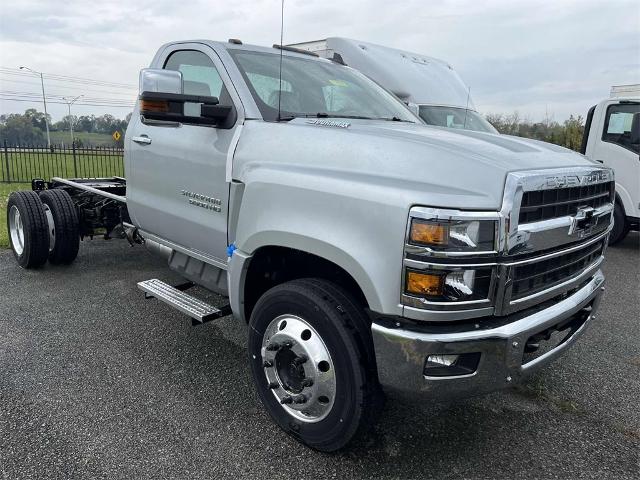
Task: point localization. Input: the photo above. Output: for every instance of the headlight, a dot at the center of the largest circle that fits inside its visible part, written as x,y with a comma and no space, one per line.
453,235
449,286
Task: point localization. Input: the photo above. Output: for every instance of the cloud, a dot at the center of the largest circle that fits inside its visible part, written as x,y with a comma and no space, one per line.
530,56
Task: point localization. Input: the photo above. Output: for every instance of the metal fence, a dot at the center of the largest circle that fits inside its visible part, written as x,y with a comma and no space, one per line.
21,163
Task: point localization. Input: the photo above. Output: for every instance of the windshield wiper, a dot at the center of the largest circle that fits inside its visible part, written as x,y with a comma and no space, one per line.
394,119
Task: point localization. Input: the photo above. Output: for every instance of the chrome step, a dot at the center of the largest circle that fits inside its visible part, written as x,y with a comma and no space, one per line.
198,310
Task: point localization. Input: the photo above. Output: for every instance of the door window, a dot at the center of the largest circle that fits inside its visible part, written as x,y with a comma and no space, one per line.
199,74
617,125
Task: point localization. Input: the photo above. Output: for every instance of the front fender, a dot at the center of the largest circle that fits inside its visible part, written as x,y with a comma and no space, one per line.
359,230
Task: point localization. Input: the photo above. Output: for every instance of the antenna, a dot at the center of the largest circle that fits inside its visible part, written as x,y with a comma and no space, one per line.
464,127
280,74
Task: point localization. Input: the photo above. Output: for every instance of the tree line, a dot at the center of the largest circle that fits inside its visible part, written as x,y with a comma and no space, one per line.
29,128
566,134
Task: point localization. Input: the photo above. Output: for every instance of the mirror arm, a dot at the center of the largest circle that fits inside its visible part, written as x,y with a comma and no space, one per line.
181,98
218,112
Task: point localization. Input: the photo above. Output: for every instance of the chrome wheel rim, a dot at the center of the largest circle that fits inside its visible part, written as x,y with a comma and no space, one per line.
16,230
51,227
298,368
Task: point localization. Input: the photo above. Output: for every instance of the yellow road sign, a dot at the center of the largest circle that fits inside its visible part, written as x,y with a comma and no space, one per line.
116,135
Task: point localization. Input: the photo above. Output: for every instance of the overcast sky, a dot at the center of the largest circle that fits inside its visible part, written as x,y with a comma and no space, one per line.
559,57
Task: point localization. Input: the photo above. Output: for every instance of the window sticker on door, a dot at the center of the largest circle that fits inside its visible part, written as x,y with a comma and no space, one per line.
618,121
339,83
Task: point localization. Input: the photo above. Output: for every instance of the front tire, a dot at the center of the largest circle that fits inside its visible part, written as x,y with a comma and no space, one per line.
310,356
28,229
620,225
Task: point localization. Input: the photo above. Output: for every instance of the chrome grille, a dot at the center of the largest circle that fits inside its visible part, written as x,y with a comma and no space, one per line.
532,278
559,202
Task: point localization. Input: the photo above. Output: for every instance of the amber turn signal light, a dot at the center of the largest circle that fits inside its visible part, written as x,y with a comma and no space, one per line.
420,283
429,233
154,106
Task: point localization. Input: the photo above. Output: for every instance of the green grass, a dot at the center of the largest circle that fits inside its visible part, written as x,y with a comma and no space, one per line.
25,165
5,190
96,139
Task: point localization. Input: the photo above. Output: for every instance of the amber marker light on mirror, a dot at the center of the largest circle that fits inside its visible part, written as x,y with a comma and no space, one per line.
154,106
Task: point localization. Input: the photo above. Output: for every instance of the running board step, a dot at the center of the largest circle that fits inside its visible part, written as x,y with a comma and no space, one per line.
199,311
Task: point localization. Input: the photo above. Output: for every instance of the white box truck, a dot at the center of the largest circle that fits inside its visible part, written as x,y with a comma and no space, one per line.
612,137
429,86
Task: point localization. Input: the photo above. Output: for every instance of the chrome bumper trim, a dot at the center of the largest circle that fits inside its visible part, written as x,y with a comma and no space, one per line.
401,353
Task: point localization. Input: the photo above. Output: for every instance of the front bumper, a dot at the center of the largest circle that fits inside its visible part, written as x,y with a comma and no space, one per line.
401,352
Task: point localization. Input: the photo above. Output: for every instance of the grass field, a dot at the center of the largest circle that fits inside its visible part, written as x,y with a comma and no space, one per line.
5,190
97,139
25,165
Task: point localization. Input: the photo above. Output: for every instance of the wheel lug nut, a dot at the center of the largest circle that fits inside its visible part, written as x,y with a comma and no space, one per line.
286,345
267,364
300,399
272,347
307,382
300,360
274,385
286,399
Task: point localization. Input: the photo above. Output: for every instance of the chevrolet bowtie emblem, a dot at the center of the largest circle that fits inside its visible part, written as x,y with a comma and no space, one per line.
583,222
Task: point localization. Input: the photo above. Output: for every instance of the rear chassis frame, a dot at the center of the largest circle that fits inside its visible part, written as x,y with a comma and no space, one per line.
100,202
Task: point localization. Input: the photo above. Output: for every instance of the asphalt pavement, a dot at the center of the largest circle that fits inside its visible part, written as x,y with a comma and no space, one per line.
96,382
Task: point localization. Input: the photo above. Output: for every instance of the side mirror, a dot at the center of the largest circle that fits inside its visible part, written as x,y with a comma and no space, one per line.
157,80
162,99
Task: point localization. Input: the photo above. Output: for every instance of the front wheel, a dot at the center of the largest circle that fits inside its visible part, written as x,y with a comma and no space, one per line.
310,354
620,225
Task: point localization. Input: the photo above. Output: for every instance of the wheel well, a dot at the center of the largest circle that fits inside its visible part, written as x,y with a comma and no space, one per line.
271,266
619,202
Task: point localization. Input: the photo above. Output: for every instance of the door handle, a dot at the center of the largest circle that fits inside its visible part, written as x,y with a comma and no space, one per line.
142,140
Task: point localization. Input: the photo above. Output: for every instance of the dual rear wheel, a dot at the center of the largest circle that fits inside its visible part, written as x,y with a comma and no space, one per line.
42,227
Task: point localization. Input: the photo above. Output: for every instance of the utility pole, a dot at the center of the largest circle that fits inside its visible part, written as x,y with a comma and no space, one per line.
44,101
69,102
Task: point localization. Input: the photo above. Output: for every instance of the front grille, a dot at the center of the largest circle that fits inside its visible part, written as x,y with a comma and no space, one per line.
560,202
532,278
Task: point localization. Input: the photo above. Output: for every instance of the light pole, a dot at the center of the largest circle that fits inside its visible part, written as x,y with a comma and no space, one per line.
69,102
44,101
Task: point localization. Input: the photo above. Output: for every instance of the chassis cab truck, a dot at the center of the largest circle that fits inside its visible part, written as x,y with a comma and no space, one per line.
366,251
612,137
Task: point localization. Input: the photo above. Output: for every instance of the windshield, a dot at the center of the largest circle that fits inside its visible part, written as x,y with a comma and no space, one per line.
452,117
314,88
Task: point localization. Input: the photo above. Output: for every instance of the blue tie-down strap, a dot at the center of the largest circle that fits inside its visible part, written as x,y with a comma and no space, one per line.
230,249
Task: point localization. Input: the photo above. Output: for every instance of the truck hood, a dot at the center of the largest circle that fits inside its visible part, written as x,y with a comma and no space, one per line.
428,165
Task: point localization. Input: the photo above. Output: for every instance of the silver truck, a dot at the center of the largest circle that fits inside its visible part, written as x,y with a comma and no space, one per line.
366,251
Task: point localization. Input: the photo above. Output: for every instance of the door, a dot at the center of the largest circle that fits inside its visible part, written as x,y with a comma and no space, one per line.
617,147
176,185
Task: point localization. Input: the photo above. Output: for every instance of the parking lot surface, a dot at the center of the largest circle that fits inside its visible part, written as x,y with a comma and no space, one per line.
96,382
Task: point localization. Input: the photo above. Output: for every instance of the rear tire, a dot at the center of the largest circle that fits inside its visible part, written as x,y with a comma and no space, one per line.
343,397
65,234
28,229
620,225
